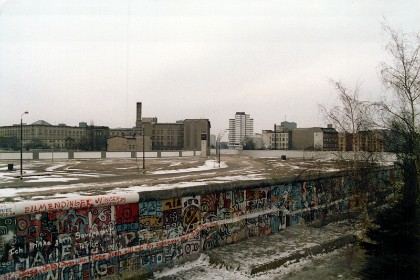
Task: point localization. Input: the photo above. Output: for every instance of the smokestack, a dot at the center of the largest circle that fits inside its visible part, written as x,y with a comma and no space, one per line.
138,115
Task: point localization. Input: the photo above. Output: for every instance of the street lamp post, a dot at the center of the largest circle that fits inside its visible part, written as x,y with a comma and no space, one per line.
144,166
219,137
21,144
219,152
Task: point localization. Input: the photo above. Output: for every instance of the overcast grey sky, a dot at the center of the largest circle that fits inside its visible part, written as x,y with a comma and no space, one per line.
86,60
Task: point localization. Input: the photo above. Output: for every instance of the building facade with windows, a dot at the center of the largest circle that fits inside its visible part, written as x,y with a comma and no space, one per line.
315,138
165,136
240,128
43,135
368,141
122,132
181,135
276,140
326,139
288,125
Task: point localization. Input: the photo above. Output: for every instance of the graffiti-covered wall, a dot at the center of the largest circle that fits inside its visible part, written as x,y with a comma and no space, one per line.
132,233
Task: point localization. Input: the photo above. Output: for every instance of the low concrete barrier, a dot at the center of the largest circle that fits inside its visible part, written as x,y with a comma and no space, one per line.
53,155
40,155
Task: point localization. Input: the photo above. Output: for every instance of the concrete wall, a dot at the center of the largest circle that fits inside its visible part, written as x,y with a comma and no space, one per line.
128,234
311,155
93,155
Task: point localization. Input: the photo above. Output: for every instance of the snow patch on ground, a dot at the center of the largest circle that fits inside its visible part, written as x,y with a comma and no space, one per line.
331,170
52,168
124,168
209,164
250,177
11,192
50,179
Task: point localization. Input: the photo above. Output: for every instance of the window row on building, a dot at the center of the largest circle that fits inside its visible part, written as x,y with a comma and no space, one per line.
43,135
181,135
324,139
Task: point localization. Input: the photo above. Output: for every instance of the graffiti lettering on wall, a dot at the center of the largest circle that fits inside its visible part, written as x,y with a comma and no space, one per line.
116,235
127,224
40,206
7,210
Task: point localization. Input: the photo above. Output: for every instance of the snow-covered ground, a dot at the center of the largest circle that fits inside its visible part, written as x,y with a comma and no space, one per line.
63,177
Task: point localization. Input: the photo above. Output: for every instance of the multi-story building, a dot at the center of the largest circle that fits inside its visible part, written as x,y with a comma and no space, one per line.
240,128
348,142
288,125
326,139
280,138
315,138
303,138
277,140
122,132
165,136
193,129
42,134
369,141
181,135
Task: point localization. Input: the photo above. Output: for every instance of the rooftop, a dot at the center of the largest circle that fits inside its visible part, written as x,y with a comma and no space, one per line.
41,122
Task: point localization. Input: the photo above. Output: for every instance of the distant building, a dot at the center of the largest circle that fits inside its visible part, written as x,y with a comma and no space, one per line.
181,135
303,138
43,135
165,136
280,138
369,141
193,128
276,140
122,132
128,144
288,125
240,128
97,137
326,139
315,138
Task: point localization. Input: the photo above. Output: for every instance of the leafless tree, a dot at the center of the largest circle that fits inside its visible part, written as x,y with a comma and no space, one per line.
351,116
400,107
393,247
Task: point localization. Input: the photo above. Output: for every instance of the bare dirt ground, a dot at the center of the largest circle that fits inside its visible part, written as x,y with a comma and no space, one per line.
104,174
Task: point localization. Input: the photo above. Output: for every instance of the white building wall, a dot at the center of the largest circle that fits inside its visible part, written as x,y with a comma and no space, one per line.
241,127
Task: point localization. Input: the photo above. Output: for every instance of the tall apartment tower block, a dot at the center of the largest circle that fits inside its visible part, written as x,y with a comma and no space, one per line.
241,127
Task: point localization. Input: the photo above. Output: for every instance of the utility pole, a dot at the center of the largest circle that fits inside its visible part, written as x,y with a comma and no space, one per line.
275,137
21,144
144,165
219,137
